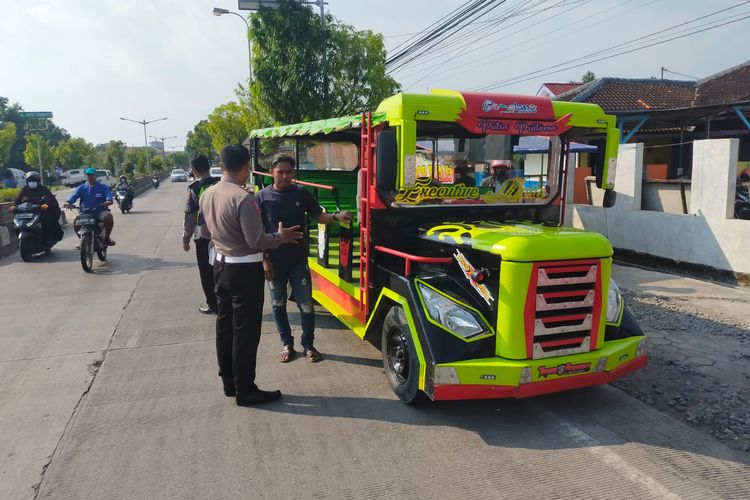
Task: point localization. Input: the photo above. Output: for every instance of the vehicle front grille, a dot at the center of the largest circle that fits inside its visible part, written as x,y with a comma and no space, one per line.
563,308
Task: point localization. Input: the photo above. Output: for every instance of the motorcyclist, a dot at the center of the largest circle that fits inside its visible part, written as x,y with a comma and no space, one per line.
35,192
97,196
125,185
500,172
155,180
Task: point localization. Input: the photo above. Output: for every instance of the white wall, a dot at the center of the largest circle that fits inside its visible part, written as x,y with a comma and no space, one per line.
709,235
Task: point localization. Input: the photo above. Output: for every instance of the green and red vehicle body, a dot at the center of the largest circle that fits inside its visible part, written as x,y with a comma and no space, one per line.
470,292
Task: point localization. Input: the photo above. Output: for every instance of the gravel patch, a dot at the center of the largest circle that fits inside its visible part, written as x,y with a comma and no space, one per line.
699,366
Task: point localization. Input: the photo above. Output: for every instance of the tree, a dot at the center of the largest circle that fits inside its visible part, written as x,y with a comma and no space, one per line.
73,152
228,124
199,140
588,77
156,163
7,139
180,159
292,83
33,150
115,156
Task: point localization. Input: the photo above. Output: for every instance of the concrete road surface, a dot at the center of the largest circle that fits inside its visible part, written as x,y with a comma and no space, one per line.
110,390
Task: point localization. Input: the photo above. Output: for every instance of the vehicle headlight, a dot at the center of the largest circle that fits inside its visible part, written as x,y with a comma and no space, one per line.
614,302
448,313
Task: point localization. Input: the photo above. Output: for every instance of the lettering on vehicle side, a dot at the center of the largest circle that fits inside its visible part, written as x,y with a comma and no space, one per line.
514,107
487,377
423,190
564,369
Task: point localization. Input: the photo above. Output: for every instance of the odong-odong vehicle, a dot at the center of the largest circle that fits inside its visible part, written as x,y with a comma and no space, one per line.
32,239
178,175
123,200
92,237
470,289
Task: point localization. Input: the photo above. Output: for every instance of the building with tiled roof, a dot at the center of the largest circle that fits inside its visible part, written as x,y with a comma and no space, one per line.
668,115
552,90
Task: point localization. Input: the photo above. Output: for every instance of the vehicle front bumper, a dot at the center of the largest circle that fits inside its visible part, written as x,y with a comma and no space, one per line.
496,377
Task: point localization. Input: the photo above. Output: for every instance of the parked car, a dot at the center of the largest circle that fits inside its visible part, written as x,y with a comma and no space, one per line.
13,178
105,177
73,177
215,171
178,175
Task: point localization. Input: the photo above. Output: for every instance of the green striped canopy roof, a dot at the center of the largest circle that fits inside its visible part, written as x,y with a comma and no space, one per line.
317,127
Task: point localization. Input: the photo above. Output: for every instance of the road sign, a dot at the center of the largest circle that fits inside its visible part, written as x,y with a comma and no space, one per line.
257,4
35,114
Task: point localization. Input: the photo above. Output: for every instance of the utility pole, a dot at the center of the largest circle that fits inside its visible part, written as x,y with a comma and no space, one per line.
145,139
164,147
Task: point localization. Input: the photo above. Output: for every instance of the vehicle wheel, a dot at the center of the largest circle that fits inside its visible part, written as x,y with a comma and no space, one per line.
102,252
87,252
26,249
400,358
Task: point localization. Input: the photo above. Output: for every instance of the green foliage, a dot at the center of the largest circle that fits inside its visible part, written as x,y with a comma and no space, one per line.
8,194
73,153
180,160
156,163
136,157
34,149
293,83
588,77
115,156
7,139
228,124
199,141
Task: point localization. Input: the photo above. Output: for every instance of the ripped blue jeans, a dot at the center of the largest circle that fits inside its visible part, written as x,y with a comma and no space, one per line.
298,275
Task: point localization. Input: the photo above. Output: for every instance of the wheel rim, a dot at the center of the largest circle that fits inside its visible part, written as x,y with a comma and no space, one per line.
398,355
88,251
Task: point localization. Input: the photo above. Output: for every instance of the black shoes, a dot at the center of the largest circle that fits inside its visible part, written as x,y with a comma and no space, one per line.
206,310
257,397
230,391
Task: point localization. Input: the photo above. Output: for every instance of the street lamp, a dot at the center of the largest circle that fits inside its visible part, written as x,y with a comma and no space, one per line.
220,12
163,148
145,140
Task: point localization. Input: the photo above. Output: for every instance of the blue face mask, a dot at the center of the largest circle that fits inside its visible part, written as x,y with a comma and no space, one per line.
33,184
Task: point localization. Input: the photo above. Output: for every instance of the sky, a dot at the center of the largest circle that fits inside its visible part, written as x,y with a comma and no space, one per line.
91,62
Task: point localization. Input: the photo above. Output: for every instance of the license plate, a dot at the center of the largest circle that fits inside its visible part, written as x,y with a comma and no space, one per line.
86,220
24,216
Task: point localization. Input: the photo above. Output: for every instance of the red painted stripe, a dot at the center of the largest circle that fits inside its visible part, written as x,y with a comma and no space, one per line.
574,293
563,263
343,299
565,317
455,392
572,269
574,341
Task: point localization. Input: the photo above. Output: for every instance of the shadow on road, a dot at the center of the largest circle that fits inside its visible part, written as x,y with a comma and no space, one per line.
135,264
561,421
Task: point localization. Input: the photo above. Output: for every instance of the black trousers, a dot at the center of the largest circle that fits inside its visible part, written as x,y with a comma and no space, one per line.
206,271
239,296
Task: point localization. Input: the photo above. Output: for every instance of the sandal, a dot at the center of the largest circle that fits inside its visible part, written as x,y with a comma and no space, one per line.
286,354
312,354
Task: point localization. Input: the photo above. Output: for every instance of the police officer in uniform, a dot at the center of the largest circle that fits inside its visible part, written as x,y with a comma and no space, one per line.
194,227
235,226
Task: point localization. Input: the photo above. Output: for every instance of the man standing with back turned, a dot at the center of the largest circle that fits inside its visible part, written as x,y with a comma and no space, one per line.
233,220
194,226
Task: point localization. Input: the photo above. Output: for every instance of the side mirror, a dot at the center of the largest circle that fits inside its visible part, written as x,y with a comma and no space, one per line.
601,156
610,197
386,158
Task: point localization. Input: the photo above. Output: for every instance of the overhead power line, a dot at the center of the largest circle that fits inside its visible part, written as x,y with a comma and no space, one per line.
592,57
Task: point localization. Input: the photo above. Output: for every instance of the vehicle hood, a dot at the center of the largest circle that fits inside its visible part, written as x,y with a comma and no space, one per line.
520,241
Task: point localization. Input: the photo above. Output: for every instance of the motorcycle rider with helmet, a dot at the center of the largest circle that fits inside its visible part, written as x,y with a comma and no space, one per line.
124,184
37,193
96,196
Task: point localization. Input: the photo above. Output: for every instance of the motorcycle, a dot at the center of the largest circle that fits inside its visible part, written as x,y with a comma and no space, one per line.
92,237
27,221
155,182
123,200
741,203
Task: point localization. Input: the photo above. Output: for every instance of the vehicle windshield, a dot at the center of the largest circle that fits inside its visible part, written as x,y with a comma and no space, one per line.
493,169
216,171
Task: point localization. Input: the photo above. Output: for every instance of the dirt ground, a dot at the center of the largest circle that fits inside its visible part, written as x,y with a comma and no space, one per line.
699,347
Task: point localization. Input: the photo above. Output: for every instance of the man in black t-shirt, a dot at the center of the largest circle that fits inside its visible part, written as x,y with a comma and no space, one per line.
194,228
291,204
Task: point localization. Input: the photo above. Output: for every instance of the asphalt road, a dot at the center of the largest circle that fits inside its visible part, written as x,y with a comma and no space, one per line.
109,390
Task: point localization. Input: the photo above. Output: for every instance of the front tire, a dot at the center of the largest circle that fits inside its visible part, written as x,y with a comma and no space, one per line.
26,248
87,252
400,359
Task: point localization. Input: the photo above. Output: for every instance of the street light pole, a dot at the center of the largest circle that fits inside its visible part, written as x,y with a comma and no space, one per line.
145,139
220,12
